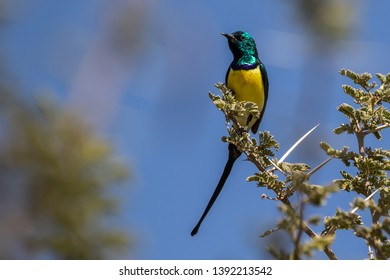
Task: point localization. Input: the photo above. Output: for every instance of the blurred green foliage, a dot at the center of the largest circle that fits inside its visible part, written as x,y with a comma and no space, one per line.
326,20
57,178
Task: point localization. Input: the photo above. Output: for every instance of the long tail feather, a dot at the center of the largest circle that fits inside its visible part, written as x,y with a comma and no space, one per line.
234,154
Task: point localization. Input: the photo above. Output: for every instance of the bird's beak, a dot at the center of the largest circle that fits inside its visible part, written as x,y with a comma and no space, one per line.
228,36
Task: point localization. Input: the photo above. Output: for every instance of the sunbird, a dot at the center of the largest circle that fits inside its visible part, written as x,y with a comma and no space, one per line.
248,80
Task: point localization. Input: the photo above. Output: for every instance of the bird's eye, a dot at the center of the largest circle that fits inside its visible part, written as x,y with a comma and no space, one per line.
240,38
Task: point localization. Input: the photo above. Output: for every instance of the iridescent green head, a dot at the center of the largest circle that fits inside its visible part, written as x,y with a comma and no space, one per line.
242,45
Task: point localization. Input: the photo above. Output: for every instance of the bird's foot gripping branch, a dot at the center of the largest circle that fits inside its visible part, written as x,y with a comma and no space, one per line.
287,182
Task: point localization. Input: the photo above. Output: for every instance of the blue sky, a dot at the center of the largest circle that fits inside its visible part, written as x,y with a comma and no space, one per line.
151,101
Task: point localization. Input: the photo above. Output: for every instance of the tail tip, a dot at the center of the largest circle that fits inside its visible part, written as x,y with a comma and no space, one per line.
194,231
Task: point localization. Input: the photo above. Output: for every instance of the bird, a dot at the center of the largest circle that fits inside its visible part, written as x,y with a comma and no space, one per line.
247,78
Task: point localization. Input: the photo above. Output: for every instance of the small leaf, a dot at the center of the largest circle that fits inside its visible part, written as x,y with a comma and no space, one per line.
350,91
347,110
381,77
325,146
315,220
343,128
350,74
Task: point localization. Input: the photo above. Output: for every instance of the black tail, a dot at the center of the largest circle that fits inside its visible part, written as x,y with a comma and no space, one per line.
234,154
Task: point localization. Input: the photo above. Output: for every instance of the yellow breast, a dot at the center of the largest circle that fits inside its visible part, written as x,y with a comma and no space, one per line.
247,85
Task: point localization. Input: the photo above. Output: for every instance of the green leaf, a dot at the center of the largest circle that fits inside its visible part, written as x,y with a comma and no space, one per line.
359,203
350,91
344,128
381,77
212,96
343,220
315,220
325,146
268,180
347,110
360,79
350,74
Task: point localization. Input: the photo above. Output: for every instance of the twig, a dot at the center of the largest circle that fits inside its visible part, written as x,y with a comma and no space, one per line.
309,232
268,232
300,228
332,228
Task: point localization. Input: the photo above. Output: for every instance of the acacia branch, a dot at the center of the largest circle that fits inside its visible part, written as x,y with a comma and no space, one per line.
305,227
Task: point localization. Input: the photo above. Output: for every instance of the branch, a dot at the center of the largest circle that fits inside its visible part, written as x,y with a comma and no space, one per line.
309,232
